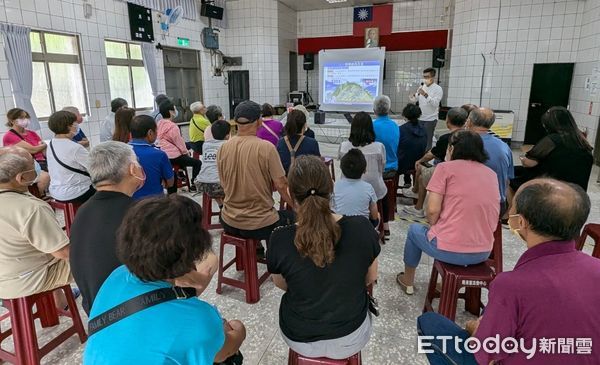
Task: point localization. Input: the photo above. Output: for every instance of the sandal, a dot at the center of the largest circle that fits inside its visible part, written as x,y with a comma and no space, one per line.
408,289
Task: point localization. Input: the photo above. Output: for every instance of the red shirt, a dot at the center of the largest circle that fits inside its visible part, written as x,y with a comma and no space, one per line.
11,139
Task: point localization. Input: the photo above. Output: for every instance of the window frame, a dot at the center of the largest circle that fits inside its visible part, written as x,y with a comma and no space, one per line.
46,58
129,63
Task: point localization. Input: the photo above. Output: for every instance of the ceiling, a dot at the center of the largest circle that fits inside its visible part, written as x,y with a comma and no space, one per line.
303,5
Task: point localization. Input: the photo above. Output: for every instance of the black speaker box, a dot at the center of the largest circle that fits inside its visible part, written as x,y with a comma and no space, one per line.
319,117
211,11
439,57
309,61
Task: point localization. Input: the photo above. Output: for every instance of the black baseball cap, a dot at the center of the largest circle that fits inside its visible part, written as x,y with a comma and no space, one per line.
247,112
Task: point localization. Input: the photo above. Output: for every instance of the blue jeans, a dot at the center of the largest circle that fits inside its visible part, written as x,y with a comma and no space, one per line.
434,324
417,243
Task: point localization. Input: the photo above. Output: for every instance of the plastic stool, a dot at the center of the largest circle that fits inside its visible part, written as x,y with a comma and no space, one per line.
69,210
245,259
181,181
27,350
207,213
392,187
592,230
295,358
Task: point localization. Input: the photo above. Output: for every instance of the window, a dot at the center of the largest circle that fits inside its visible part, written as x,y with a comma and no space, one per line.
126,74
57,73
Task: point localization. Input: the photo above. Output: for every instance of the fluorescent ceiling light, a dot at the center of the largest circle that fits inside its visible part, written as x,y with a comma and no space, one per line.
336,1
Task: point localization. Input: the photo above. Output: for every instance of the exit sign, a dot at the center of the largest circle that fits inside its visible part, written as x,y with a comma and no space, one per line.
184,42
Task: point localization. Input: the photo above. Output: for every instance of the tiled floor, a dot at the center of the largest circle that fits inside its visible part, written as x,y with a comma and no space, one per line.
394,335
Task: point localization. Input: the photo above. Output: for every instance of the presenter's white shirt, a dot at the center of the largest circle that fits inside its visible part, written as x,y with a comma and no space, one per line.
429,105
66,184
107,128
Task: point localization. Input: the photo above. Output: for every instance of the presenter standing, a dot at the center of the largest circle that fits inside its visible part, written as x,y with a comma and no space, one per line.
429,95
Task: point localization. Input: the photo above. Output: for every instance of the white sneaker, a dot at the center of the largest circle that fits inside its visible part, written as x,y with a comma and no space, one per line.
409,193
419,213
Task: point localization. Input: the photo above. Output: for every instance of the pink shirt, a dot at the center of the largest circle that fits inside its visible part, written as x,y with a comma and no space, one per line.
170,139
470,209
11,139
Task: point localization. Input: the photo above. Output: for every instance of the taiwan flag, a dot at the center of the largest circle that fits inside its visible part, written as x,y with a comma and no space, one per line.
376,16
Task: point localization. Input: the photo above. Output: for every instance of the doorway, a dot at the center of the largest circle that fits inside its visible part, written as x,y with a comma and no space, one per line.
293,71
183,79
239,88
550,86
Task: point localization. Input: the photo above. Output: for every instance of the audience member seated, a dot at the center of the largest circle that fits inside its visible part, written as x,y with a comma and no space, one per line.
351,195
80,137
182,331
412,144
156,164
198,125
208,180
68,161
172,143
295,143
362,136
213,113
499,153
249,168
116,174
123,119
155,113
308,132
270,130
455,120
323,261
18,135
563,154
548,295
107,126
462,209
33,247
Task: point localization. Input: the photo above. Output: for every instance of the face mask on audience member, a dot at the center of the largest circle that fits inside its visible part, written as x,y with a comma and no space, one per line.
142,179
77,128
23,122
515,231
173,116
30,182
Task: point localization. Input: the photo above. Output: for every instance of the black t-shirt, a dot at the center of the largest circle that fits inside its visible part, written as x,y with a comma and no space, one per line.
330,302
439,150
93,242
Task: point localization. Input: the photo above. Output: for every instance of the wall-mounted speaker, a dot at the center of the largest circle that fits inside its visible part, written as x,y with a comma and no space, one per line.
309,61
439,57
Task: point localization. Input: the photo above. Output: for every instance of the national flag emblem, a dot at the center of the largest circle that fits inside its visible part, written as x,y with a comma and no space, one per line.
363,14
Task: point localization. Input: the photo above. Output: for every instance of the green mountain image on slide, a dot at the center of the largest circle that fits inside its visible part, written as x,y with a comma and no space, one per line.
351,92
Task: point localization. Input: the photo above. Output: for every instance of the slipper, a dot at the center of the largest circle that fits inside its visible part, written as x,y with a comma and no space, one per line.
408,289
386,232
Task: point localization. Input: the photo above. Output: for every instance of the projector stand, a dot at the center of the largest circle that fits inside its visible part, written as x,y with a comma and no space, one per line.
310,99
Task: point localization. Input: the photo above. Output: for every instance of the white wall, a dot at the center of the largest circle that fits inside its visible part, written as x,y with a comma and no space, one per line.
530,31
287,32
109,21
403,68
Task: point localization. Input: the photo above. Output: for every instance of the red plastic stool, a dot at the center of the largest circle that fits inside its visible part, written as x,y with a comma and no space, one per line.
329,163
392,187
182,180
27,350
245,259
473,278
207,213
592,230
195,155
69,210
295,358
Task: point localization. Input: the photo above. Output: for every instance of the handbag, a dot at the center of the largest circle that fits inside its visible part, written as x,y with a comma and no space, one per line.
145,301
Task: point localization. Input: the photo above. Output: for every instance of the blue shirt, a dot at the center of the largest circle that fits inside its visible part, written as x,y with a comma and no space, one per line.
79,136
353,197
388,133
500,160
181,331
156,165
309,146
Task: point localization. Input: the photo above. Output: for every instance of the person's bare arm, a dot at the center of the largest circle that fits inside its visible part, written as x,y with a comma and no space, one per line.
62,254
472,325
30,148
281,185
373,212
434,207
170,182
84,142
235,334
279,281
426,158
372,273
527,162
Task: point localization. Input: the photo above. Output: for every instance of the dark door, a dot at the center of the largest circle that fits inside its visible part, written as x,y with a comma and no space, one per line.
239,88
550,86
293,71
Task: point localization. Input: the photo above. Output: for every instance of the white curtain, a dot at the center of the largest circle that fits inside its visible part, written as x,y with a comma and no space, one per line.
190,10
17,49
149,56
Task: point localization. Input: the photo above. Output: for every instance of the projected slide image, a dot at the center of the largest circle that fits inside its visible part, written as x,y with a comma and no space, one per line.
354,82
